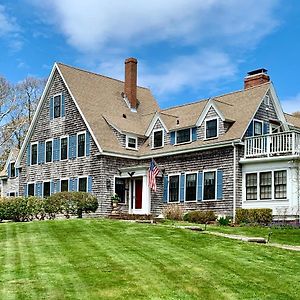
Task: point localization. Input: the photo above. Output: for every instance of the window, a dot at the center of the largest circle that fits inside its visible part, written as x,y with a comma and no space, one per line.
12,169
267,100
265,185
64,148
258,127
183,136
211,128
251,186
157,138
82,187
48,151
280,184
12,194
34,154
190,187
46,189
30,190
209,185
131,142
120,189
64,185
173,188
81,144
57,106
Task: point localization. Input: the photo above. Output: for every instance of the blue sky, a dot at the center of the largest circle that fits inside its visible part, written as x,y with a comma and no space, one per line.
187,49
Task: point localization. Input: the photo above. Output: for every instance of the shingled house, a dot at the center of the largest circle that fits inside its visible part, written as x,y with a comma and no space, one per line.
98,134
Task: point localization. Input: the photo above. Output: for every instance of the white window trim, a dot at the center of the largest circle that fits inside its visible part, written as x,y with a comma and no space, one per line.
163,138
114,188
77,150
58,94
49,140
136,142
43,187
262,126
273,199
34,189
216,183
218,123
170,175
37,153
64,137
64,178
190,140
187,173
80,177
267,100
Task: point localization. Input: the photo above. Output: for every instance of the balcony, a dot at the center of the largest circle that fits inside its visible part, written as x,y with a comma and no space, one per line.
270,145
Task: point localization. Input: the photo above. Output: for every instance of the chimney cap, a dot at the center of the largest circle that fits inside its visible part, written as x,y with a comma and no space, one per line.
131,60
258,71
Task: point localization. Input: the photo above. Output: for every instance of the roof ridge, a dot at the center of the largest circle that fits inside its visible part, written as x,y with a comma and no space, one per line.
97,74
223,102
186,104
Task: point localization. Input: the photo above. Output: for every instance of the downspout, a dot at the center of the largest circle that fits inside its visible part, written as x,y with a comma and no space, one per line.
234,181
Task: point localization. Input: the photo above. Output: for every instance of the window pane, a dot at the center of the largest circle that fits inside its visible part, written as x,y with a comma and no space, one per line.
82,184
81,144
211,128
131,143
173,188
120,189
266,185
190,187
183,136
34,154
158,139
257,128
12,170
64,148
64,185
209,185
57,104
46,189
280,184
31,189
251,186
49,151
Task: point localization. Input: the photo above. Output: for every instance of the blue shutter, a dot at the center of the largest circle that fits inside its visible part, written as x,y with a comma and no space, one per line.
25,192
87,144
51,107
165,194
70,184
89,188
249,131
194,134
56,149
41,152
219,184
51,187
72,146
9,170
70,154
199,186
28,155
181,194
62,105
75,184
172,137
266,128
17,172
37,189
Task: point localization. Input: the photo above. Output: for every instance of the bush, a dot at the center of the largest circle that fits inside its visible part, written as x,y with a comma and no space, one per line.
199,216
224,221
173,212
261,216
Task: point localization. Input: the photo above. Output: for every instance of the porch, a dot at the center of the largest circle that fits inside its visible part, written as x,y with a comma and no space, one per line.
270,145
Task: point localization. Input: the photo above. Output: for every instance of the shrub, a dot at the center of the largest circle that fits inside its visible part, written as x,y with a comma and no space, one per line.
199,216
173,212
261,216
224,221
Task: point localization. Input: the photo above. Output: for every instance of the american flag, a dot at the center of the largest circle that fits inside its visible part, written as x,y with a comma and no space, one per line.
153,171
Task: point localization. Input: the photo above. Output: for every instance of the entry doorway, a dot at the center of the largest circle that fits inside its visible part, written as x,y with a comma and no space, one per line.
138,199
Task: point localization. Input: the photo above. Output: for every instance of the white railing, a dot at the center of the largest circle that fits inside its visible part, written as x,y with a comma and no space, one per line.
283,143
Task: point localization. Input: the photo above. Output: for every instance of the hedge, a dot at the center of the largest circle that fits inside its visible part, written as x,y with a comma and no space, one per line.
199,216
261,216
22,209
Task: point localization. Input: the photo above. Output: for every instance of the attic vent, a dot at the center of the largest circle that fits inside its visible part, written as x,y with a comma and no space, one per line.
124,116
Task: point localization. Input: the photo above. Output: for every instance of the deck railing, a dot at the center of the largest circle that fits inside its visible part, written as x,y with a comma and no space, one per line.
277,144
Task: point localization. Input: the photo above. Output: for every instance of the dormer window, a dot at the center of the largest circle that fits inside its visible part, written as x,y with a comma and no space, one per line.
131,142
57,106
183,136
158,138
12,169
211,128
267,100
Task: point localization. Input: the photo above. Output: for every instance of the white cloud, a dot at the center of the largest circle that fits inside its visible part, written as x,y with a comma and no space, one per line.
7,24
291,104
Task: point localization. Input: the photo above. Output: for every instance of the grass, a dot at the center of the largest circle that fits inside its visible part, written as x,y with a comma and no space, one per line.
102,259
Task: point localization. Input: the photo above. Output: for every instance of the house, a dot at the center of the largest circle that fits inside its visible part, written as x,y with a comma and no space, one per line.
9,179
98,134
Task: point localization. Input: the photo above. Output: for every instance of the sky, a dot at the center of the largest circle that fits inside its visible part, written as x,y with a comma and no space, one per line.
186,49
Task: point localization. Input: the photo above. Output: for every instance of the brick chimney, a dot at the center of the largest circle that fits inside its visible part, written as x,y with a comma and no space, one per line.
256,77
131,81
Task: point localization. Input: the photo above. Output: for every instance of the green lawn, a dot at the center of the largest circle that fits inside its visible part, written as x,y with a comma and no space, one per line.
102,259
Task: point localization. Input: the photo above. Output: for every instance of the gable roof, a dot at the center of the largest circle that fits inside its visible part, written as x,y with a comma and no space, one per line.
11,157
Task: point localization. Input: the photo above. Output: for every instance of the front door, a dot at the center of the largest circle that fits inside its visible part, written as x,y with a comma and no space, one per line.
138,193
